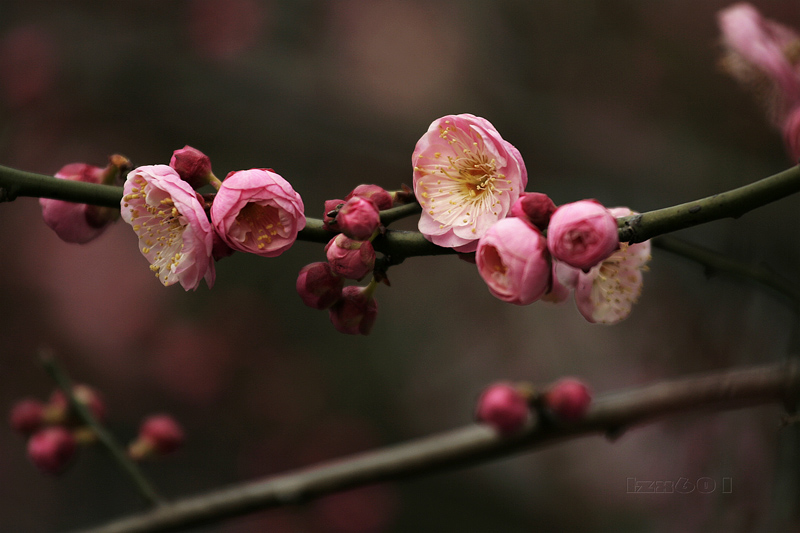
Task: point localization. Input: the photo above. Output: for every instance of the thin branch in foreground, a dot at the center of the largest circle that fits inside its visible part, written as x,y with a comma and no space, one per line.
108,440
610,414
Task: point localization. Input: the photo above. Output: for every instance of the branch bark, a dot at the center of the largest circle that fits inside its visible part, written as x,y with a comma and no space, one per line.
610,414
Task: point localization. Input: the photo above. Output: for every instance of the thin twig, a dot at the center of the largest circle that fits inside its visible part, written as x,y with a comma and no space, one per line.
106,438
715,263
610,415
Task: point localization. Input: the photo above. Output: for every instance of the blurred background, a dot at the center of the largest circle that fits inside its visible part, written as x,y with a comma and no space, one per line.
619,100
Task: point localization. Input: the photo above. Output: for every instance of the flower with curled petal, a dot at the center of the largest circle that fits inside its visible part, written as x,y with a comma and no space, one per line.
466,178
174,232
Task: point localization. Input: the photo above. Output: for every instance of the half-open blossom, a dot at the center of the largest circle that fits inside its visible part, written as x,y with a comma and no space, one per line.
349,258
582,234
606,293
503,407
73,222
764,56
257,211
193,166
52,449
158,435
358,218
318,286
174,232
356,310
466,178
512,259
567,400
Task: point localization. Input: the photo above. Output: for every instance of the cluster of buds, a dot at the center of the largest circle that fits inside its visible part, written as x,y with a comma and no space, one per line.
55,429
581,251
510,407
350,255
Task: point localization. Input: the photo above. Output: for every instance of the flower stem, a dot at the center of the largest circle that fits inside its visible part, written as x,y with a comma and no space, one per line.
108,440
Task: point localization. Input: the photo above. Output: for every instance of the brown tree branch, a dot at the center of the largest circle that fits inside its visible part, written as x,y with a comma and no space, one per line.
610,414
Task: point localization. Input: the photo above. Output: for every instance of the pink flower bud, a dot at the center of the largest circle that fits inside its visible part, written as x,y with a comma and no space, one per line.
349,258
52,449
257,211
355,312
358,218
158,435
27,416
329,216
535,207
76,223
567,400
503,407
192,165
582,234
318,286
512,260
85,395
378,195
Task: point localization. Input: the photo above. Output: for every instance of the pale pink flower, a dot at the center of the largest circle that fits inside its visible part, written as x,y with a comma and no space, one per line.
764,55
258,211
606,293
466,178
512,259
582,234
503,407
349,258
76,223
358,218
174,232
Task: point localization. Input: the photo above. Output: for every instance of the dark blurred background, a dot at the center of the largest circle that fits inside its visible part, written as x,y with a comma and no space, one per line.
619,100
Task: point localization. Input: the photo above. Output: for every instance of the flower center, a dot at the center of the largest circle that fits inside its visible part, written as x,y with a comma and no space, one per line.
257,224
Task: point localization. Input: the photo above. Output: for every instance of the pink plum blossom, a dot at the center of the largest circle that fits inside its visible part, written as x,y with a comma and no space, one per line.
158,435
318,286
503,407
535,207
349,258
582,234
375,193
466,178
257,211
567,400
72,222
358,218
52,449
174,232
512,259
193,166
764,55
606,293
356,310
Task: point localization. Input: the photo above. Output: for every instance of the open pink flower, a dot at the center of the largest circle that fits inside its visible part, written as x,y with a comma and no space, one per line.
763,55
466,178
257,211
606,293
582,234
174,232
512,259
76,223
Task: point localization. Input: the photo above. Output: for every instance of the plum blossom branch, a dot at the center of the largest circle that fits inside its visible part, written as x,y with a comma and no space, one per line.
610,415
715,262
117,452
14,183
